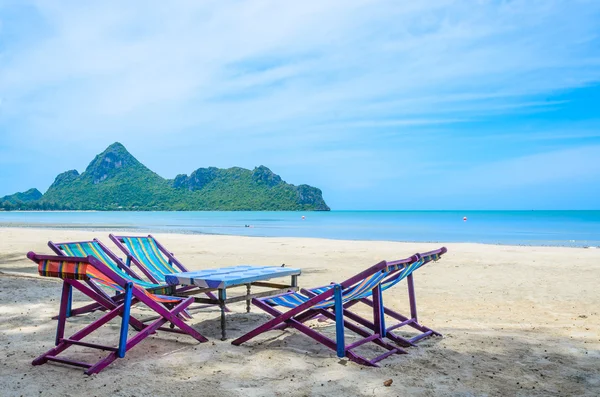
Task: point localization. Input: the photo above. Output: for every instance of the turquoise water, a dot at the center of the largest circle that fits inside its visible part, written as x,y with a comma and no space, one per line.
557,228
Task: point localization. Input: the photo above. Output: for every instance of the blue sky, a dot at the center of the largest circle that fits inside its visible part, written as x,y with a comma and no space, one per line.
381,104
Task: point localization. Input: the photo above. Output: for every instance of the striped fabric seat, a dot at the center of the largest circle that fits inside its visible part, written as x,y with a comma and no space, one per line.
93,248
387,283
362,290
405,270
84,271
145,250
64,270
155,262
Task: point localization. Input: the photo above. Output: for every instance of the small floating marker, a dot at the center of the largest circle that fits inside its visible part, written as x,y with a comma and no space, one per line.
464,218
303,217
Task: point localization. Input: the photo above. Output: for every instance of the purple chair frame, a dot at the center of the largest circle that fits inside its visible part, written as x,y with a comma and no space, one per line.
404,321
133,294
117,298
372,331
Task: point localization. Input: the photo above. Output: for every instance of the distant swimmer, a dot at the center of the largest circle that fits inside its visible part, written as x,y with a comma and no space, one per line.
465,219
303,217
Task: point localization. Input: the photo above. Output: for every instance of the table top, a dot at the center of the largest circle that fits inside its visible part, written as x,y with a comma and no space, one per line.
230,276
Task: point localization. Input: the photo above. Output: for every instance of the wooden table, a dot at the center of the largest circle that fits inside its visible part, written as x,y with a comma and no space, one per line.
229,277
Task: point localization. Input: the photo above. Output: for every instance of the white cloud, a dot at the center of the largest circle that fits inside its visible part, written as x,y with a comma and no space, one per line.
555,167
279,75
231,64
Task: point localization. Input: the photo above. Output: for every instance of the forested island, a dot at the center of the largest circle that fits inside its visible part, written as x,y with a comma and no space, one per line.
116,181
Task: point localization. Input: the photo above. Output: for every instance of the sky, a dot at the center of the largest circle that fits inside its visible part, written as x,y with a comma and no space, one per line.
381,104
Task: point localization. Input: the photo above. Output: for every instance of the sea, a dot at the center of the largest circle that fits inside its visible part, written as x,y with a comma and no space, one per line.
541,228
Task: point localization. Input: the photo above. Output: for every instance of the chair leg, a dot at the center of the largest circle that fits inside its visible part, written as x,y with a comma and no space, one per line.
338,345
378,316
63,312
346,350
65,343
90,307
107,303
122,310
360,331
125,320
69,303
172,316
411,297
340,338
404,321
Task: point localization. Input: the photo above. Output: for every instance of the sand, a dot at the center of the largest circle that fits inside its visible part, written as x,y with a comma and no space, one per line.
515,320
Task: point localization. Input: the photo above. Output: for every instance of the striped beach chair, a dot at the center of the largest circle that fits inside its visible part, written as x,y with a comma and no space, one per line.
147,254
402,320
332,302
151,258
102,253
85,274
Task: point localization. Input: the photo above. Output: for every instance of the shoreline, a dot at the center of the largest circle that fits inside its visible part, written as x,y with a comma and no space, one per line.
311,211
142,230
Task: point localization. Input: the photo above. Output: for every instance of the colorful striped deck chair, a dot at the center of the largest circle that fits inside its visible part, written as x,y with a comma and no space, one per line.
330,303
84,274
99,251
151,257
390,281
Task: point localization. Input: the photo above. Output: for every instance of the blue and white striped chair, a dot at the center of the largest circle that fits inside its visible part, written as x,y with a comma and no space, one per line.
333,302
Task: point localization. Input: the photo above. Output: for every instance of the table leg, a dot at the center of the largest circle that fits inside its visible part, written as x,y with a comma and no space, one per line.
294,281
248,297
222,298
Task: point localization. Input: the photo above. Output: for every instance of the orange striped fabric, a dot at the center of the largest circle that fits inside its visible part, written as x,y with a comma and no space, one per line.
85,271
64,270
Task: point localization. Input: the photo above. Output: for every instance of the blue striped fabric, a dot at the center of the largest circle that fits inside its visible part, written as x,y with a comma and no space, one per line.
320,290
93,248
362,290
145,250
402,274
359,291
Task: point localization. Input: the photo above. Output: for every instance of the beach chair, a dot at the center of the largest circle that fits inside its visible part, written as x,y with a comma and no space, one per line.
147,254
305,305
102,253
403,321
151,257
85,274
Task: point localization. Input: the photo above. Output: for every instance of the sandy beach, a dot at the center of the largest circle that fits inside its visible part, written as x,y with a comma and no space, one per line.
516,321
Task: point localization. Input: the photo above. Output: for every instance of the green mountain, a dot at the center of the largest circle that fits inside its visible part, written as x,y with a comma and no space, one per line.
20,198
115,180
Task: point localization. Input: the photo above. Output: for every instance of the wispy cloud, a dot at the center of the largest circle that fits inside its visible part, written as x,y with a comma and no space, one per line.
557,167
274,80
